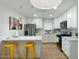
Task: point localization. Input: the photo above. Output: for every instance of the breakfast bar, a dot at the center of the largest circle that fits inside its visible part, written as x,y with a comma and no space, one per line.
24,39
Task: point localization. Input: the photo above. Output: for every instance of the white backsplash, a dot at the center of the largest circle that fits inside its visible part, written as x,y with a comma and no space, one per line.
13,33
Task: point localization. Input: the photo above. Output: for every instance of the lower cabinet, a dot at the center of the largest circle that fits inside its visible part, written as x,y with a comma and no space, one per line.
70,47
65,47
49,38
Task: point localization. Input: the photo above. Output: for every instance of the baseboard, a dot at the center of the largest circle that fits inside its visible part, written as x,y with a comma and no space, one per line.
17,58
49,42
65,54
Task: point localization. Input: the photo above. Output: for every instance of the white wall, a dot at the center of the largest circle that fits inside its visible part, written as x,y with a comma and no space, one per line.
5,12
70,15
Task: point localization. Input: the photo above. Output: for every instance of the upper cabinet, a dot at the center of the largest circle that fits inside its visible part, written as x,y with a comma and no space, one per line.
71,17
38,22
56,23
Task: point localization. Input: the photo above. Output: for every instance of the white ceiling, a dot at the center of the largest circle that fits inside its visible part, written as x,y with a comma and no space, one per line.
25,8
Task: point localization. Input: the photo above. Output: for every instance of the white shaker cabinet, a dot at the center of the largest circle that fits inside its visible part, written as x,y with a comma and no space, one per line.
70,47
38,22
49,38
72,17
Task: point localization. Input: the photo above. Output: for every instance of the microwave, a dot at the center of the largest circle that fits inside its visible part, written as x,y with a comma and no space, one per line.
63,25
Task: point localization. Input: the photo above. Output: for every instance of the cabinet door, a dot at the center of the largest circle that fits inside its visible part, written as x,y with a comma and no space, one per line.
38,22
74,49
56,23
72,17
48,38
66,47
63,44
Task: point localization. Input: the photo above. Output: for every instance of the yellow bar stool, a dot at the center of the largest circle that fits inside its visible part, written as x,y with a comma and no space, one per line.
11,46
31,47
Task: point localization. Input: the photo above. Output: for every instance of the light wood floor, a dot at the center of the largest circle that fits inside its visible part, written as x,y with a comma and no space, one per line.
50,51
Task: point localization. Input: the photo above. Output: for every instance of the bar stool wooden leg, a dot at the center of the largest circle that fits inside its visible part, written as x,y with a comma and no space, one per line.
18,52
24,53
3,52
32,52
11,53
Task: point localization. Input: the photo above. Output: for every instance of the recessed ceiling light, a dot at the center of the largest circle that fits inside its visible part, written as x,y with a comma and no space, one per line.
69,15
54,7
35,14
51,15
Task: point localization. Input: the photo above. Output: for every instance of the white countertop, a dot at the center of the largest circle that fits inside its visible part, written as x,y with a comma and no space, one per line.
70,38
24,38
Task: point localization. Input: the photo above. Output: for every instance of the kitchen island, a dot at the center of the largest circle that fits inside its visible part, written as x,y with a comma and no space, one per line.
23,39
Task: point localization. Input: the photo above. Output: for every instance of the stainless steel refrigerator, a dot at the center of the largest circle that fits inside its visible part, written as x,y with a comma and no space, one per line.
29,29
